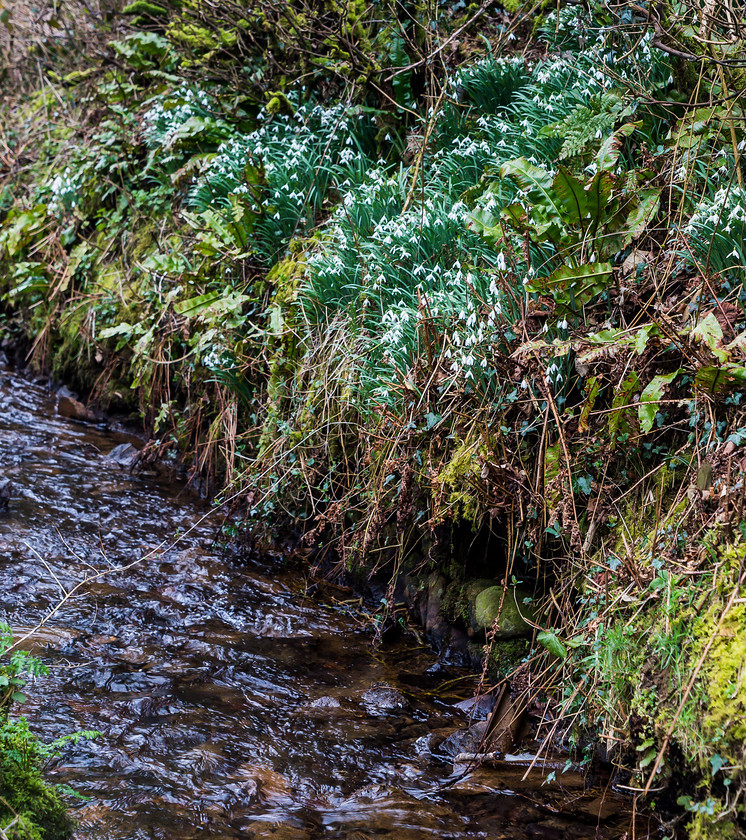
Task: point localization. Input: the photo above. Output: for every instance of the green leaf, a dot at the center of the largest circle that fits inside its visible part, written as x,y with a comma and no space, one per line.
537,182
651,397
572,195
642,336
648,758
720,380
551,641
708,331
18,697
599,193
642,214
195,305
608,154
121,329
574,285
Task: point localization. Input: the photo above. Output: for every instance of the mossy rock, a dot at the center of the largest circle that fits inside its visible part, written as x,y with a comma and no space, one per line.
507,607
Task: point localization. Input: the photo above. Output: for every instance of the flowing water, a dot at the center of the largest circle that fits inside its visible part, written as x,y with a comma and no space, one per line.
230,704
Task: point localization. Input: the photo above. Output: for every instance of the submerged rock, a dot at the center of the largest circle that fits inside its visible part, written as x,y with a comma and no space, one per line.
384,699
123,455
478,708
6,486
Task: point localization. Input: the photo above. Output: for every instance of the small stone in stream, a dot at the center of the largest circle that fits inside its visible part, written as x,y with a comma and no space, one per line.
325,703
74,410
382,699
3,359
425,744
469,740
123,456
6,487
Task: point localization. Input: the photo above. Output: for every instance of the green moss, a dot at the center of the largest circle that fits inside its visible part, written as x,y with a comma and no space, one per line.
457,481
24,795
723,676
145,8
278,103
704,826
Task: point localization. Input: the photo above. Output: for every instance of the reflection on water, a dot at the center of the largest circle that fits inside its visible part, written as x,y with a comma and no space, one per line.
230,705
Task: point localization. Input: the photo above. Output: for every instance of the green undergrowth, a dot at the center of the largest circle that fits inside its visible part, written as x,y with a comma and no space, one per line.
31,808
485,321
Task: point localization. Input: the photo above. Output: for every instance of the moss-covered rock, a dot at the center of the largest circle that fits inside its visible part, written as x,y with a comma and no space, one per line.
504,606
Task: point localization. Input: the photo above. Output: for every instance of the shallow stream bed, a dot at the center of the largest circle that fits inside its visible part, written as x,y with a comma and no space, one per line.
230,704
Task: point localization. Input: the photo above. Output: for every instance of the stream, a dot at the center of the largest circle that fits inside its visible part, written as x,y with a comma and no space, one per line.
230,703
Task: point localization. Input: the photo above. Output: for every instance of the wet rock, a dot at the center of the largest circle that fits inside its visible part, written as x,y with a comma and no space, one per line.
256,830
74,410
6,487
325,703
64,391
123,456
469,740
478,708
507,606
383,699
3,360
436,626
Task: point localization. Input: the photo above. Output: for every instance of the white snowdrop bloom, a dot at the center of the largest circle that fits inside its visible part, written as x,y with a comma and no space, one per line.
562,325
501,264
734,253
524,384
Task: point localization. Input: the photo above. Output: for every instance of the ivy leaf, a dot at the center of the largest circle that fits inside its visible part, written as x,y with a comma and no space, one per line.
651,397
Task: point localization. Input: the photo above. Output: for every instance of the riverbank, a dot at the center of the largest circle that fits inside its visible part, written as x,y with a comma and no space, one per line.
227,700
470,323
